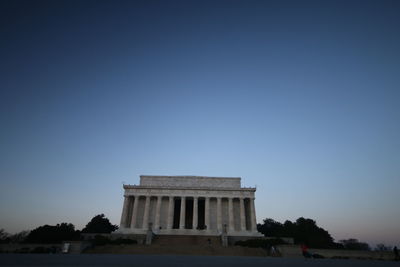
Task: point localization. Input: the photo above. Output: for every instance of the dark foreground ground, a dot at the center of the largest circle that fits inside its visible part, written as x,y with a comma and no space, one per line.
172,260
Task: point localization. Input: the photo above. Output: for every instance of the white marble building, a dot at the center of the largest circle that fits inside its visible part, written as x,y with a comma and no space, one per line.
189,205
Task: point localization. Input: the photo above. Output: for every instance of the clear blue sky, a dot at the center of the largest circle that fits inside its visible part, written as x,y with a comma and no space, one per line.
300,98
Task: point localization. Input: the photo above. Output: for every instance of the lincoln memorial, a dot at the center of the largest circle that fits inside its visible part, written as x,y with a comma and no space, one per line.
189,205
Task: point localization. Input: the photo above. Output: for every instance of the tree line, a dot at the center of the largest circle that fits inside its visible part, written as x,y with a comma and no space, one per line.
303,231
48,234
306,231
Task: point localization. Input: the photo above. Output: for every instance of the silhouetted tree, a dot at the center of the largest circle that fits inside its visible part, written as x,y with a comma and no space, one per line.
383,247
99,224
19,237
53,234
270,227
303,231
354,244
4,236
308,232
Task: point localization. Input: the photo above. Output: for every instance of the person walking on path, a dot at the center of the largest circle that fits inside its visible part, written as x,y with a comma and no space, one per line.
396,253
272,251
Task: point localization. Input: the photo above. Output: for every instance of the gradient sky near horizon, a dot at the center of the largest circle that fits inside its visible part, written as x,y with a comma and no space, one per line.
299,98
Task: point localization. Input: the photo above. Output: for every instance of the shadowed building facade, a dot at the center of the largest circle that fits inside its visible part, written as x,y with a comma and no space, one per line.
189,205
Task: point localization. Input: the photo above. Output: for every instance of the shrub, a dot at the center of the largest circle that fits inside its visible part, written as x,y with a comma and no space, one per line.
53,234
100,240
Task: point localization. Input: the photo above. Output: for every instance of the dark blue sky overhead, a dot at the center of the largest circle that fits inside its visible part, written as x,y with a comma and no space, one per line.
300,98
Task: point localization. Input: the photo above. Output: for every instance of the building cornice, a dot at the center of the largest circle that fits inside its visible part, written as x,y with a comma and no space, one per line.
127,186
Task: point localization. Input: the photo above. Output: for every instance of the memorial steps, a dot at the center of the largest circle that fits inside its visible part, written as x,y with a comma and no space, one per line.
180,245
185,240
178,249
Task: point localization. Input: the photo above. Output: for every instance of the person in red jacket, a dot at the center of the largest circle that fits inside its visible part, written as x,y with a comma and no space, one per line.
304,250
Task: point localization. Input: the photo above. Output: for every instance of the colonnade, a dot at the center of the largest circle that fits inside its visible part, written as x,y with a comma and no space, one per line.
129,218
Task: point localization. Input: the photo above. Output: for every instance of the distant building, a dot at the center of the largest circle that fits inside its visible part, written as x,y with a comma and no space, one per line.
189,205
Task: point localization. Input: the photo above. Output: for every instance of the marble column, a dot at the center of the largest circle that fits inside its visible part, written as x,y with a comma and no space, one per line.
231,226
195,213
253,215
219,214
207,213
170,213
146,213
124,215
242,215
135,211
183,213
157,217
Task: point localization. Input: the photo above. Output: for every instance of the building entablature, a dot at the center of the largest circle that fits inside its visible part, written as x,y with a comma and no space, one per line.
189,192
190,181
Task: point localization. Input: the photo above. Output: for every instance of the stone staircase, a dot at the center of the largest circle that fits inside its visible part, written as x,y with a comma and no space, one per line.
181,245
186,240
